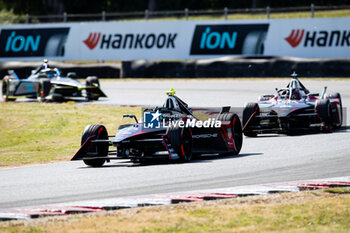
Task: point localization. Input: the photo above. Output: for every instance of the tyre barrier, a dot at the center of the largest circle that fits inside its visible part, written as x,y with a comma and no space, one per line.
237,67
202,68
102,70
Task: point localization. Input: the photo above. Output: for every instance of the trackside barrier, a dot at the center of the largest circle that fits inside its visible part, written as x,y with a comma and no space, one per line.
237,67
101,70
176,40
203,68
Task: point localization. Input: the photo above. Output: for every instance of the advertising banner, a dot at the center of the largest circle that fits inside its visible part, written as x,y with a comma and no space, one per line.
177,40
228,39
309,38
33,42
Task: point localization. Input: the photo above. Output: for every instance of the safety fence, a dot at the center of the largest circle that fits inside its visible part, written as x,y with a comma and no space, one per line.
185,14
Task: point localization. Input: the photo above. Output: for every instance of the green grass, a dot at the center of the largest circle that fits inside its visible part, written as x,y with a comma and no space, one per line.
40,133
9,17
339,190
315,211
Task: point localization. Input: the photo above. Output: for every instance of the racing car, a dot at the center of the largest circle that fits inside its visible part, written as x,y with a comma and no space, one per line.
168,132
293,110
46,83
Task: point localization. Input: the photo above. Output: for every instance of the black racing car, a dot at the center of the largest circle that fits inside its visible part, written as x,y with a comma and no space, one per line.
168,132
293,110
46,83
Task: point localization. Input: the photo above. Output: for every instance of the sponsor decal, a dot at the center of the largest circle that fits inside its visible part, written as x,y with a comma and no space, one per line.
322,38
214,135
131,41
295,37
27,88
229,39
92,40
35,42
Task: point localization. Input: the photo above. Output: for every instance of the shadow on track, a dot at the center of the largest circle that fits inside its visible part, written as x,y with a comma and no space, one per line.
206,157
302,133
342,129
158,162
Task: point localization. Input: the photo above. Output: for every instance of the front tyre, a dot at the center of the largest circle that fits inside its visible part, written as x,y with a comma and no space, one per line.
337,109
5,90
91,94
250,111
323,110
95,149
180,139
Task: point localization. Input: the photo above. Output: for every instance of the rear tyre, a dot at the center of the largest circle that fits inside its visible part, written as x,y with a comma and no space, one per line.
323,110
249,120
180,139
100,149
234,131
5,90
44,89
91,94
336,110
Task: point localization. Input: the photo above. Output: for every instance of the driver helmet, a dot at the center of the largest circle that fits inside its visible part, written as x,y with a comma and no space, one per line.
50,73
295,94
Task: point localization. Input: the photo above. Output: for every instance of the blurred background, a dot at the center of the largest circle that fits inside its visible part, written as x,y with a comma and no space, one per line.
272,51
41,7
20,11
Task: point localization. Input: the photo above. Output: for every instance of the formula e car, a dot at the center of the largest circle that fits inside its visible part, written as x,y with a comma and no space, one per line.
293,110
167,132
47,83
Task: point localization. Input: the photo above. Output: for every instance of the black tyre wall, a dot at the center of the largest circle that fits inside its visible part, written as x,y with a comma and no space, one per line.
236,126
44,88
180,139
248,111
323,109
91,81
5,89
98,132
337,114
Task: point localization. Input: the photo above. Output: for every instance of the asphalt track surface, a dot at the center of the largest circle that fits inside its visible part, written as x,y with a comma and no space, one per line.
265,159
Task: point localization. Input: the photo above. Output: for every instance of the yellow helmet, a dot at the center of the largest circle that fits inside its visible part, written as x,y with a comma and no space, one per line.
171,92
